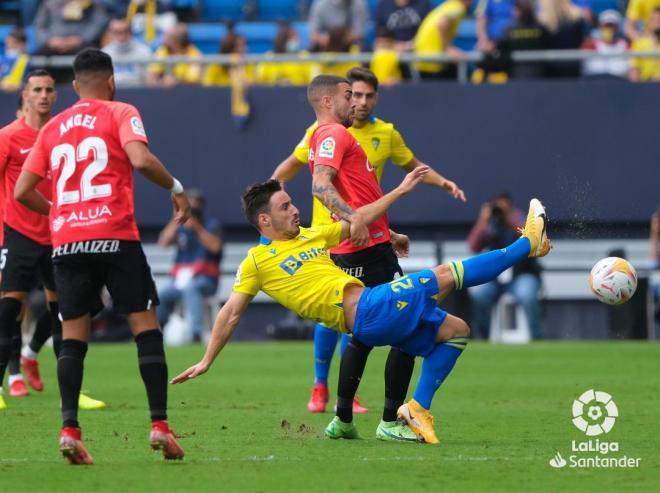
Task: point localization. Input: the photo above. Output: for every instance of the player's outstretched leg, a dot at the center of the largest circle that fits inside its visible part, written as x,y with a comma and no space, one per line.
438,363
153,369
325,341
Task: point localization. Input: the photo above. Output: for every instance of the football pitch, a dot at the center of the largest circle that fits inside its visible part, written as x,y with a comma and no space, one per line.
501,416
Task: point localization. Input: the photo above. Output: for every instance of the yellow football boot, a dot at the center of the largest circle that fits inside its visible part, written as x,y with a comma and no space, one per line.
88,404
3,404
419,420
535,229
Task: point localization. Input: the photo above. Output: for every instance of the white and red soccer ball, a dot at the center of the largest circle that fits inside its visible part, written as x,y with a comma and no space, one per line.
613,280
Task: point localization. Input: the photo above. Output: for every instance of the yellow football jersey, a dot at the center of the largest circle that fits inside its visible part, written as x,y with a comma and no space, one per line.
299,275
428,39
380,141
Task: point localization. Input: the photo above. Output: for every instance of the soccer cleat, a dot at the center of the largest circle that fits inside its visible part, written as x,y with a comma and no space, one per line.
338,429
396,431
162,438
357,408
535,229
419,420
319,398
88,404
30,367
18,389
72,448
3,404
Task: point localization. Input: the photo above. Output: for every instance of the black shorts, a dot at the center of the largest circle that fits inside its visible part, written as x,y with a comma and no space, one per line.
84,267
25,263
373,266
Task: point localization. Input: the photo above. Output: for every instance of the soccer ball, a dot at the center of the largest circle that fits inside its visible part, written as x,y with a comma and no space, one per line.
613,280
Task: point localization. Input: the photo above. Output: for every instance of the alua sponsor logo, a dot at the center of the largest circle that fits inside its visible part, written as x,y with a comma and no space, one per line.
594,413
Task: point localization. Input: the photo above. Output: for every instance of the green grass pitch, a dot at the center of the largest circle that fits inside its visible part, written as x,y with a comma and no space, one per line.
501,416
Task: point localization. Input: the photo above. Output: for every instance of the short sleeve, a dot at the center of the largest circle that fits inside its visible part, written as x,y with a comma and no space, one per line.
455,10
331,145
331,233
37,160
400,154
247,277
301,152
129,123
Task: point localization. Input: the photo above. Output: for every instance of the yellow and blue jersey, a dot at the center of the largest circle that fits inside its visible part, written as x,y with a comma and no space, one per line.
299,274
380,141
13,70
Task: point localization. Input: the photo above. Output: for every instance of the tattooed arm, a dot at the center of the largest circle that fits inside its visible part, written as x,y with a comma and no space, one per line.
325,191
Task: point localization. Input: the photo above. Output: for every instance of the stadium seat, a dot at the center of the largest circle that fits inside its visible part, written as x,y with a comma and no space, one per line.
259,35
274,10
599,5
207,36
216,10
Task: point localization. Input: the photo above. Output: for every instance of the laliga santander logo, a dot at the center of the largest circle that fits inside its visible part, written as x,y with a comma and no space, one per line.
594,412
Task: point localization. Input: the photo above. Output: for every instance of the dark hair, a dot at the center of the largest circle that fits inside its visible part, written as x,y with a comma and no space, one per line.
19,35
256,199
502,196
363,75
323,85
282,38
37,73
526,12
92,61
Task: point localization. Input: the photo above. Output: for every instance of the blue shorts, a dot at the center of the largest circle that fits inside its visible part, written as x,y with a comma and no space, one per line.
402,313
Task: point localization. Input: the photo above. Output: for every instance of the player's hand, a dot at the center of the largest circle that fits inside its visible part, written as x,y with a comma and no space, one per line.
454,191
192,372
400,244
181,208
411,179
358,230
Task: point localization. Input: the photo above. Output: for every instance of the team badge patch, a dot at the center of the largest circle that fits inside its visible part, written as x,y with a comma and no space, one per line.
137,127
424,280
327,148
375,142
237,277
400,305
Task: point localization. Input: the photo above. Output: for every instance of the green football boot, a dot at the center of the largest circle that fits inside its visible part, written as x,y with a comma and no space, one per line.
338,429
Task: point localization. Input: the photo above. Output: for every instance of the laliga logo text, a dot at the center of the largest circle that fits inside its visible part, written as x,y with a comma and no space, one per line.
594,413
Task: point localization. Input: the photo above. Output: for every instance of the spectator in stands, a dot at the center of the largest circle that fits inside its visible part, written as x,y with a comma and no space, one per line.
64,27
176,42
15,62
221,75
524,33
399,20
326,16
607,39
288,73
493,17
337,43
497,224
568,30
654,244
385,61
436,35
196,270
639,12
647,69
124,46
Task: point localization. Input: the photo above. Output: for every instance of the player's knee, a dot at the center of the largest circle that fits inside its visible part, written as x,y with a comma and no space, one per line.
462,329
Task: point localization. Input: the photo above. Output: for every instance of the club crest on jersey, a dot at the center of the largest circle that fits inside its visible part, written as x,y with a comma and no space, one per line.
137,127
375,142
327,147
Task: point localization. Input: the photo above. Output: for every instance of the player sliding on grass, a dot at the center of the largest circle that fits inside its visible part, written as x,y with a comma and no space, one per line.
291,264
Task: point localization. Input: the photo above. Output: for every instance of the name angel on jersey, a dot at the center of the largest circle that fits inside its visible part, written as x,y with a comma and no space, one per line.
88,246
77,120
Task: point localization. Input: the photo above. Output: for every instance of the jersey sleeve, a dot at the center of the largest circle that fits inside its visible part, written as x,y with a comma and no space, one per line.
455,11
634,11
331,233
247,277
400,153
37,160
301,152
129,124
331,145
4,150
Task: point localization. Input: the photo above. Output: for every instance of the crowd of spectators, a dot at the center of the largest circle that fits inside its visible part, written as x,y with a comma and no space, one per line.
424,27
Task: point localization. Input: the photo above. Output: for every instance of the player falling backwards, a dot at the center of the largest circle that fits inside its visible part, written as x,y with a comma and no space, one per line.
373,264
90,150
291,264
27,245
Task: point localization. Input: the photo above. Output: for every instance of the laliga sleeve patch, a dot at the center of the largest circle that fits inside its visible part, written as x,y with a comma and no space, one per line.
327,148
137,127
237,277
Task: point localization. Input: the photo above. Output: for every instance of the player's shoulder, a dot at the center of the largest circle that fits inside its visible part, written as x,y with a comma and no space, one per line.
382,125
310,130
11,128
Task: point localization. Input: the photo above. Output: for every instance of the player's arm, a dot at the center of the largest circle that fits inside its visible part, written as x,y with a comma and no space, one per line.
325,191
287,169
153,170
436,179
223,327
371,212
27,194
